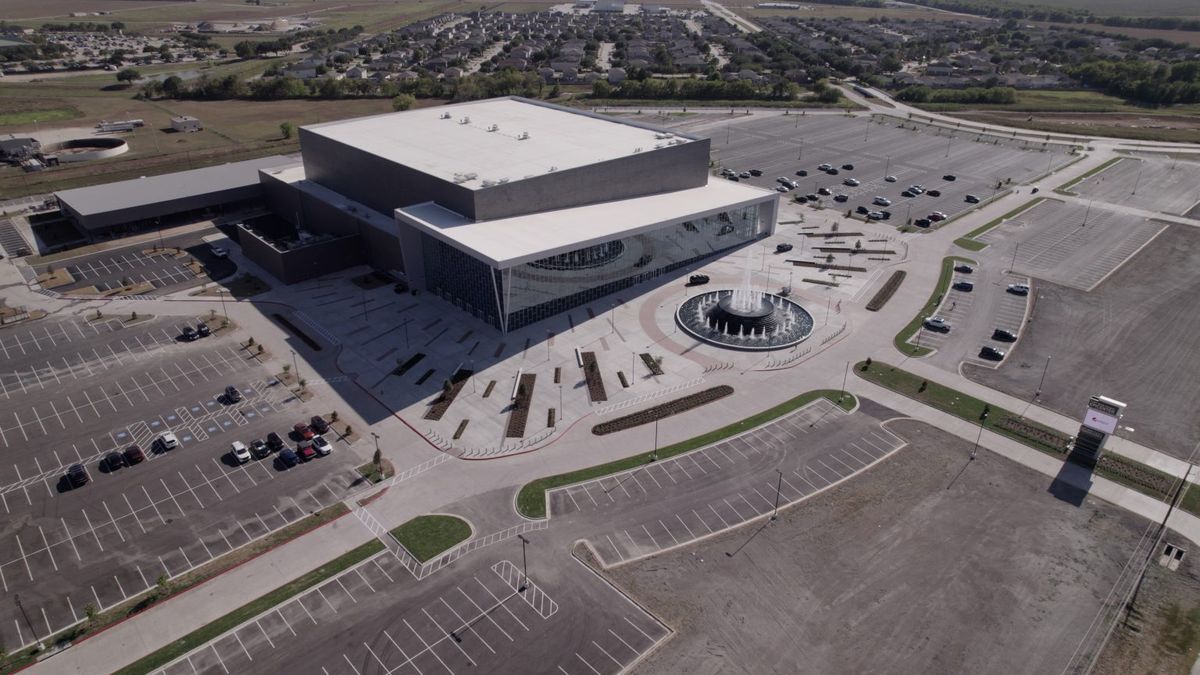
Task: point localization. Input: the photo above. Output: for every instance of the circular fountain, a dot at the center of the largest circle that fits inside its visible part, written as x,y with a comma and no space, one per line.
744,318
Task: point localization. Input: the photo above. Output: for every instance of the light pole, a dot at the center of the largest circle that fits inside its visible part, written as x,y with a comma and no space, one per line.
1042,381
949,140
845,374
524,565
1141,165
888,165
295,365
17,599
1013,265
800,153
867,135
224,310
778,487
1086,213
982,419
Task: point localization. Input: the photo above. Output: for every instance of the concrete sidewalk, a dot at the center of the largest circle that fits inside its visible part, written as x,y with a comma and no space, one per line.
169,621
1076,476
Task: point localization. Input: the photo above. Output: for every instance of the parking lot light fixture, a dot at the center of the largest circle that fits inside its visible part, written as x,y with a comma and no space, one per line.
778,487
294,364
524,565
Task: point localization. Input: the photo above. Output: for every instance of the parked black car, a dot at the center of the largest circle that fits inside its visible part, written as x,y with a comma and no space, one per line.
319,424
921,222
189,334
274,441
232,395
697,280
78,476
202,329
783,248
1004,335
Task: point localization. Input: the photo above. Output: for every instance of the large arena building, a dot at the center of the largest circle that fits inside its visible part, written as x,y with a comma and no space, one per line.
512,209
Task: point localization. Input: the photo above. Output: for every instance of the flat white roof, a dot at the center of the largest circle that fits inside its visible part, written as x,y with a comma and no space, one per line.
511,241
482,143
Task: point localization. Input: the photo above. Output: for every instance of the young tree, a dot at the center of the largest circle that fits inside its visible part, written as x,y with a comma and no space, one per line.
403,102
286,129
128,75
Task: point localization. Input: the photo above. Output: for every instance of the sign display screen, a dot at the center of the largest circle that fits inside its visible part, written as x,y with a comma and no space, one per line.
1100,421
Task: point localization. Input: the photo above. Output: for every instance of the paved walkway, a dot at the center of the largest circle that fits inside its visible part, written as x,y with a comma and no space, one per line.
164,623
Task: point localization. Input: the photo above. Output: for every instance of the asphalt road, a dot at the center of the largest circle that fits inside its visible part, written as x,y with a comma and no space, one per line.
77,390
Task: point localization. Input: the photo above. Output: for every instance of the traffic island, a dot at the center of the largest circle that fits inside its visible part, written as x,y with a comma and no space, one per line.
427,537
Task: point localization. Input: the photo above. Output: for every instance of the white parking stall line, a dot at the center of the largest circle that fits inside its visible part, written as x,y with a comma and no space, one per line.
219,659
610,656
58,416
734,509
239,641
70,538
429,648
24,559
631,648
114,521
501,603
669,532
614,548
714,510
770,502
677,464
652,539
685,526
837,459
702,521
49,551
590,667
92,529
692,456
345,590
483,612
463,623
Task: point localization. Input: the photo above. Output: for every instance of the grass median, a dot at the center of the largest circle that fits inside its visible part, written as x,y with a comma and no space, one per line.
531,500
242,614
1066,187
931,305
1131,474
968,241
427,537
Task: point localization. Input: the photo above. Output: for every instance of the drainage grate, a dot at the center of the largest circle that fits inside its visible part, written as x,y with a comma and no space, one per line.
1171,557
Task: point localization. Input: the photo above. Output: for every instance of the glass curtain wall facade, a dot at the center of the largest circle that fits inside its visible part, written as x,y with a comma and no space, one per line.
536,290
461,279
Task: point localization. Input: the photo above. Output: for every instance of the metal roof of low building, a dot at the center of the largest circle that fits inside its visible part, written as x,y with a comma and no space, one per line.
511,241
126,194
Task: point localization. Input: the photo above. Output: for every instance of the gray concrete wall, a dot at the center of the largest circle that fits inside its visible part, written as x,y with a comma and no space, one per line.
280,197
677,167
376,182
303,263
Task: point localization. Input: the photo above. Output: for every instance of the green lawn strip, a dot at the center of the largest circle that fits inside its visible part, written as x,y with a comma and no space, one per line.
1040,437
931,305
969,244
531,500
251,609
427,537
996,221
172,587
1091,172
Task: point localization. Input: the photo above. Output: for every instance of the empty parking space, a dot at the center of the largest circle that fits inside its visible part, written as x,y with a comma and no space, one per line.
670,503
1076,245
1154,183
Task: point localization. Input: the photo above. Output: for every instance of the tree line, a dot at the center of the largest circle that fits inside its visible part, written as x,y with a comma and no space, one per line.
1144,82
923,94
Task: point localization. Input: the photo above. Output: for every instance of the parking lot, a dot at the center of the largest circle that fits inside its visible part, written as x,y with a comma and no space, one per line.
1131,338
142,264
71,392
1076,245
471,617
938,564
974,316
676,501
1150,182
781,145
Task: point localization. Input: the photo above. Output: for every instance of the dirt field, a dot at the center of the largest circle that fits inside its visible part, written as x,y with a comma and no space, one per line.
918,566
1162,634
1177,128
1133,338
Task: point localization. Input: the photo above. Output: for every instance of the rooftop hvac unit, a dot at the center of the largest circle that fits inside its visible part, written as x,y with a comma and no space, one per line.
502,181
493,127
444,116
464,177
465,120
636,150
552,169
524,135
489,183
662,136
